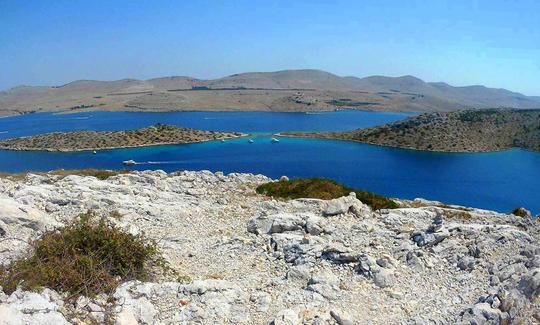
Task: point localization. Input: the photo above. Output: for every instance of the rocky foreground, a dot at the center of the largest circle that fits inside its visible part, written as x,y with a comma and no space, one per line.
158,134
248,259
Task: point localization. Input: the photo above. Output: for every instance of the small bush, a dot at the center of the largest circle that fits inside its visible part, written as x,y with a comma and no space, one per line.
87,257
520,212
320,188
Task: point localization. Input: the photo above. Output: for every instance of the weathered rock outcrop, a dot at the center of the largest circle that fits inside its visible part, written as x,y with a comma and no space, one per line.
247,259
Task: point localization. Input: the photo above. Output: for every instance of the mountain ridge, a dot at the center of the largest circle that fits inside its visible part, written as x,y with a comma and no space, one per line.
322,91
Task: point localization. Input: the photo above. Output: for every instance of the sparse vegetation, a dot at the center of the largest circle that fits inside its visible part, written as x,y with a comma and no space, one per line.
87,257
320,188
102,174
349,103
91,140
459,131
520,212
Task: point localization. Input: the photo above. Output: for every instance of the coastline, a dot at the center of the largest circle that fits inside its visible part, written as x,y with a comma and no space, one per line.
209,110
404,148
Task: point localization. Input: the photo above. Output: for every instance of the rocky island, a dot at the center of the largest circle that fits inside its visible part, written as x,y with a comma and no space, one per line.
243,257
158,134
459,131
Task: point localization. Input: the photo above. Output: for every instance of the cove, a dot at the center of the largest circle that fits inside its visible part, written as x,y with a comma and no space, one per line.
500,180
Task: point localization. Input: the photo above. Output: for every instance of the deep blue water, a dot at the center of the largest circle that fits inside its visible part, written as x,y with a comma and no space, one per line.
499,181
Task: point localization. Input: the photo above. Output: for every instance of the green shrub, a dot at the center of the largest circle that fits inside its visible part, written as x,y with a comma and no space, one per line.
320,188
520,212
87,257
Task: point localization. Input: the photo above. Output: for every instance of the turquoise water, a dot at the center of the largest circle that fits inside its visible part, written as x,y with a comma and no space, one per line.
499,181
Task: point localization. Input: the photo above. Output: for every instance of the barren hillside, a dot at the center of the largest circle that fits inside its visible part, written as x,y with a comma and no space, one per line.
289,90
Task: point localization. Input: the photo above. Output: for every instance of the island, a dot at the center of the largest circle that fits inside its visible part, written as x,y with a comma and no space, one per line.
458,131
158,134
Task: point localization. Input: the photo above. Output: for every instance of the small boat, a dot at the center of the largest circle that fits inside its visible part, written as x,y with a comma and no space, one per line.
222,140
251,141
129,162
94,152
275,140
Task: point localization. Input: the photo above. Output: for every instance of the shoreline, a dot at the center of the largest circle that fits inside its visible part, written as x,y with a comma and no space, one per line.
405,148
220,110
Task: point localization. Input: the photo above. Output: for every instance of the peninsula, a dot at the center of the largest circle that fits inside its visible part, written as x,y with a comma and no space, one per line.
158,134
459,131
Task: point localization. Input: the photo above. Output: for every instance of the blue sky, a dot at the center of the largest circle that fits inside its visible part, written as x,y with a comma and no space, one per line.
495,43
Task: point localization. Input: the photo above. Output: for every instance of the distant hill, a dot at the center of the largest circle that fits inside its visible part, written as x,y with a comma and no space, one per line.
458,131
289,90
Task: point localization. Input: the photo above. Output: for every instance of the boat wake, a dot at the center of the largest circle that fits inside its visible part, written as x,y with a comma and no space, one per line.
133,162
164,162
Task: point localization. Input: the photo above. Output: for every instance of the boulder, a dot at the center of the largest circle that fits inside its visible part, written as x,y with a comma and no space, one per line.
383,278
287,222
338,254
345,204
287,317
326,284
529,284
483,313
428,238
368,267
341,317
466,263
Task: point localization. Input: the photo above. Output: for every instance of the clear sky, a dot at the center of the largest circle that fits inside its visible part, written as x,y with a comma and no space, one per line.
493,42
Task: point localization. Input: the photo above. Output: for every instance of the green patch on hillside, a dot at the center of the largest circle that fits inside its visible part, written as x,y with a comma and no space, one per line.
87,257
349,103
320,188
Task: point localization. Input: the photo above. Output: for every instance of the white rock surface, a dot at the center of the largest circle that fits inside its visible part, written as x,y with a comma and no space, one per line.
248,259
32,308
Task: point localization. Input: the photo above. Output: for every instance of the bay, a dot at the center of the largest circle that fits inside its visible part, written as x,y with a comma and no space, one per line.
498,180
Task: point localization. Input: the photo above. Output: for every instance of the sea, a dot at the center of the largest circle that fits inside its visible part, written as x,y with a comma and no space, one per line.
498,181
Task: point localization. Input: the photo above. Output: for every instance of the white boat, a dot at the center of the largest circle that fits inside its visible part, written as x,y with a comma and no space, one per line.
129,162
222,140
251,141
275,140
94,152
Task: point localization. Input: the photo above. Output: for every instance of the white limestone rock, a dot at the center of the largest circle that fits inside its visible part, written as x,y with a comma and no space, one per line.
23,307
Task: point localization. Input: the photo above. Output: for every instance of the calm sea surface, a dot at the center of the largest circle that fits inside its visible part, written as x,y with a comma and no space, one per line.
499,181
